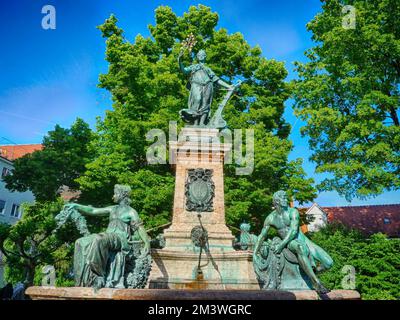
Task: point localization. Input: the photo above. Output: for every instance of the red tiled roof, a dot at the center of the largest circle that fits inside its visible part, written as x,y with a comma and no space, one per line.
68,194
368,219
12,152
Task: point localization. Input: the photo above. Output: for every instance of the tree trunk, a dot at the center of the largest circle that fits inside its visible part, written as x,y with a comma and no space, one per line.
29,274
393,115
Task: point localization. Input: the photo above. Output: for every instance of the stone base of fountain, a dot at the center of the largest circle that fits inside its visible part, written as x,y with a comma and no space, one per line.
230,270
74,293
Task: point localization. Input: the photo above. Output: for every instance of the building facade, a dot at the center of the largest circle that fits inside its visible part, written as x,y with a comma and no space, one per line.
10,202
317,218
367,219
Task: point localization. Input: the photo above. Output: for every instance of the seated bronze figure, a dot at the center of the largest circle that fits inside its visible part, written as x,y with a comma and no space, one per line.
117,258
289,261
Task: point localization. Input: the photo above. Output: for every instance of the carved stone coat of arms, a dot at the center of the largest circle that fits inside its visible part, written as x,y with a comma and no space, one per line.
199,190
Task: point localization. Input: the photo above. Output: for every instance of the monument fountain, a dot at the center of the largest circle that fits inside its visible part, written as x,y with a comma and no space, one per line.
199,252
198,260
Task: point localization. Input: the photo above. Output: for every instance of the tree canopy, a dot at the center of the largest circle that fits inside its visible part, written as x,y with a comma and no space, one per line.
348,95
375,260
148,91
31,244
60,162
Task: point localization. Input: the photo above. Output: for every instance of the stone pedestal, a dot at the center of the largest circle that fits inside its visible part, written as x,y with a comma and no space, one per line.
53,293
173,269
175,266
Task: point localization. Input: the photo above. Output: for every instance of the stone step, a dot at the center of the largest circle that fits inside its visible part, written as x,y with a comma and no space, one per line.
74,293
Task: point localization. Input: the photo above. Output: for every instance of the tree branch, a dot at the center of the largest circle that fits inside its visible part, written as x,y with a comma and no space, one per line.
6,252
393,115
20,246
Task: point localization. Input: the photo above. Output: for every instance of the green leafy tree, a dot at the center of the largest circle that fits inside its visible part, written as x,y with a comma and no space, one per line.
62,160
375,259
348,95
30,244
148,91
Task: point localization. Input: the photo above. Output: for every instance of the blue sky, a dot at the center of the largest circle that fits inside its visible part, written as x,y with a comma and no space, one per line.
50,76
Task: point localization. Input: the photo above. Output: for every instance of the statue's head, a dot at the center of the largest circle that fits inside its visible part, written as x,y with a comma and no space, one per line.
122,193
279,199
201,56
245,227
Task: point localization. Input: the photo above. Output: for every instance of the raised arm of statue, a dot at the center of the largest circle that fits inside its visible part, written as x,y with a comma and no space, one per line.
183,69
90,211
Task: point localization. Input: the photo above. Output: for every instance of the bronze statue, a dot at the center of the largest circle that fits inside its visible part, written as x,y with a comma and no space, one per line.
116,258
292,247
202,84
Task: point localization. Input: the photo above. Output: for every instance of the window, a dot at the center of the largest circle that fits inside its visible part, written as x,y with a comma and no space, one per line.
2,207
386,221
15,211
5,172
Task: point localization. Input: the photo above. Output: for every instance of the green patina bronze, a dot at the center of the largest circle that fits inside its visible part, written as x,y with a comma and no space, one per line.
247,240
288,261
117,258
69,213
202,83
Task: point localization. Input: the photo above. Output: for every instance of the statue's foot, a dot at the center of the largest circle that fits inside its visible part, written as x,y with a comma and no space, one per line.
120,286
321,289
99,283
